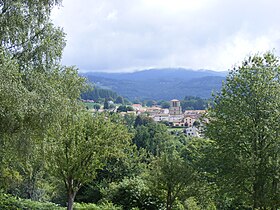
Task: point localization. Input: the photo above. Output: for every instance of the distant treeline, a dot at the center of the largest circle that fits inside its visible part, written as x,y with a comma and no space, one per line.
194,103
188,103
97,93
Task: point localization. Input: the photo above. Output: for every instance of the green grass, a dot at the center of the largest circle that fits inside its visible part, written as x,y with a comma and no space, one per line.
88,104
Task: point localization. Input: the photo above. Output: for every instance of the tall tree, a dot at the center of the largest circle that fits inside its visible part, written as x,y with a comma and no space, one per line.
33,46
172,175
13,98
35,92
245,125
26,32
151,137
106,104
26,116
81,146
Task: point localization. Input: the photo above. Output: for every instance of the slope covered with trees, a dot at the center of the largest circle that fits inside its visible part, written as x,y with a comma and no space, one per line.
96,94
160,84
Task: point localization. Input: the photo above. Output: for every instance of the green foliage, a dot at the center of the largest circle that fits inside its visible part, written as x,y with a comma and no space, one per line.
136,101
129,108
82,146
194,103
96,93
46,135
142,120
88,105
34,90
126,101
171,176
13,95
165,105
131,193
191,204
159,84
13,203
151,103
112,106
244,125
116,169
151,137
91,206
119,100
106,104
124,108
28,34
28,109
130,120
96,106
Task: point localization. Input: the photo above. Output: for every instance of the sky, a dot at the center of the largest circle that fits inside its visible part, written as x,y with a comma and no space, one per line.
129,35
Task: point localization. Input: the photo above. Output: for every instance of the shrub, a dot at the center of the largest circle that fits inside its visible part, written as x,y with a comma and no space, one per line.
132,193
92,206
13,203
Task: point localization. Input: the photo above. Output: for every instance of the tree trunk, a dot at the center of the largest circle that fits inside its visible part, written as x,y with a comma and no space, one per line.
71,197
169,200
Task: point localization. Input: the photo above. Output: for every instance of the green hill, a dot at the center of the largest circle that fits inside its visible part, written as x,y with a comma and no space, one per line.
160,84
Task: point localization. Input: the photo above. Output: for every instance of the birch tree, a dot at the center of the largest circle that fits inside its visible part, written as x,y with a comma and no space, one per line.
245,125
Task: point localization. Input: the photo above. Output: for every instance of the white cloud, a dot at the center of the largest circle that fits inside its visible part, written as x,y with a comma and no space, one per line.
122,34
112,15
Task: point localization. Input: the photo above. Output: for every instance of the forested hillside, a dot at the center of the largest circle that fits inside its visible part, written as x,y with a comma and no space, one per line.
160,84
96,93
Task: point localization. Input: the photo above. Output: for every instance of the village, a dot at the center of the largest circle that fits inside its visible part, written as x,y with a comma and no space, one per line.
188,121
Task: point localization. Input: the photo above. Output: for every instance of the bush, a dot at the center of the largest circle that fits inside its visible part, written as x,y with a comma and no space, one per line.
92,206
191,203
13,203
132,193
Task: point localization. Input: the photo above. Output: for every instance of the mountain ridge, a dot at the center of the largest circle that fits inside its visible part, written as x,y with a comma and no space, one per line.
160,84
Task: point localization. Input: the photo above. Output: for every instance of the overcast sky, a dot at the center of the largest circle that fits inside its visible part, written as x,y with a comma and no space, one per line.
125,35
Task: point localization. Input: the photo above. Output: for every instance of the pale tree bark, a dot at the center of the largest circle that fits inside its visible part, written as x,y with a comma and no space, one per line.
72,190
71,197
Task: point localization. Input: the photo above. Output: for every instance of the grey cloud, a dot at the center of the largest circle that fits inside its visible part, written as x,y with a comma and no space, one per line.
117,35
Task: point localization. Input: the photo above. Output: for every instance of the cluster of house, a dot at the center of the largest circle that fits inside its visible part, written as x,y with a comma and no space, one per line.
174,116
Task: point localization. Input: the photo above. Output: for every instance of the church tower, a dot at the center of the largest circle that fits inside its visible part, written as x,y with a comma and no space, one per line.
175,107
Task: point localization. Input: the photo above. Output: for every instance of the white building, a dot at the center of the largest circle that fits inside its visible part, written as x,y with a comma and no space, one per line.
165,111
192,131
161,117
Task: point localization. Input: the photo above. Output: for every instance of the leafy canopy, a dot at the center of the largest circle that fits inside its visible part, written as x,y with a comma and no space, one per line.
244,125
